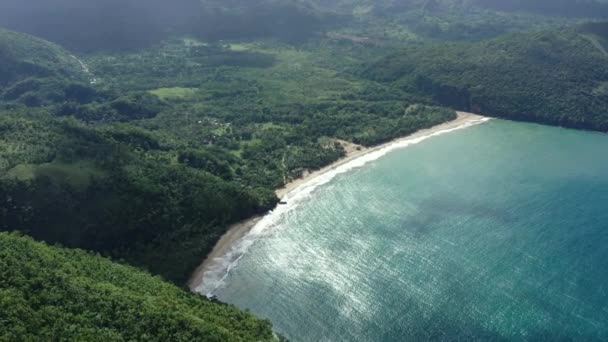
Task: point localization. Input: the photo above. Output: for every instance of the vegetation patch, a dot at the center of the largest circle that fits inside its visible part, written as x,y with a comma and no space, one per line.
553,77
50,293
175,93
75,175
24,56
601,89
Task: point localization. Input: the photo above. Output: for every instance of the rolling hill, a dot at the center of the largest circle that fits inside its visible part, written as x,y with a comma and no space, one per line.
205,107
557,76
55,294
23,56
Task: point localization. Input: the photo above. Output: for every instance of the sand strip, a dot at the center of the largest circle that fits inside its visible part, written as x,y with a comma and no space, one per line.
352,154
235,233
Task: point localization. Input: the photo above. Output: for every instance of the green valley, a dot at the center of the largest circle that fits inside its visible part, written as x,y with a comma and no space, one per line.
142,137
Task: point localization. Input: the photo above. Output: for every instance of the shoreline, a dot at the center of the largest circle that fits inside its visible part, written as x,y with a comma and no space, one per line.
239,230
463,117
234,233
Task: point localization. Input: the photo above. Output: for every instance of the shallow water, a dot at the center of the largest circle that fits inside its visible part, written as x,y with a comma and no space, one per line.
494,232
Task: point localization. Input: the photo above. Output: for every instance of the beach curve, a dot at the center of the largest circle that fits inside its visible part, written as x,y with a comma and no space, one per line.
239,237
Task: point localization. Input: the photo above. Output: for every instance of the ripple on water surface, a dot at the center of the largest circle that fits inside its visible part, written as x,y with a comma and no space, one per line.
495,232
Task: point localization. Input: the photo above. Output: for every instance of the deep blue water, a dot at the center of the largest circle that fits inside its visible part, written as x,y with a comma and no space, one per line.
494,232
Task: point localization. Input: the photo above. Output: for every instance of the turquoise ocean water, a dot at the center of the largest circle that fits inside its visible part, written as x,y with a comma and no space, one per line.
494,232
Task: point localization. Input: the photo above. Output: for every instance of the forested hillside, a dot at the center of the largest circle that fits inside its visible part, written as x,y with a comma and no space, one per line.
424,21
141,130
171,143
569,8
152,162
558,76
23,56
54,294
117,190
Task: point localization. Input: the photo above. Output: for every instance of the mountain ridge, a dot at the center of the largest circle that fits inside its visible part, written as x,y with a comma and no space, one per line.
23,56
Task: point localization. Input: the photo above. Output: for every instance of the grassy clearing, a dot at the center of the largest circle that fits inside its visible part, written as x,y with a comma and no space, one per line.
269,125
601,89
77,175
241,46
193,42
175,93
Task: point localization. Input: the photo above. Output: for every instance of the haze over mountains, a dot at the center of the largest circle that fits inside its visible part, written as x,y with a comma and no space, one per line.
114,24
117,24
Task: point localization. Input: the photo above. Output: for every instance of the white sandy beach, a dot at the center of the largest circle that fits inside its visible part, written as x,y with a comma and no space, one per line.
353,152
